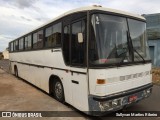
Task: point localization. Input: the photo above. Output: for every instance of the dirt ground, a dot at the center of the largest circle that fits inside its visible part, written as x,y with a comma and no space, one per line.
17,95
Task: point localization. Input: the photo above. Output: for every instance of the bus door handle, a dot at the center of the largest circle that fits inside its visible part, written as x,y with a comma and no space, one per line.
76,82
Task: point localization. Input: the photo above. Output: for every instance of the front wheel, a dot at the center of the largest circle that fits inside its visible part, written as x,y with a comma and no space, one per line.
58,91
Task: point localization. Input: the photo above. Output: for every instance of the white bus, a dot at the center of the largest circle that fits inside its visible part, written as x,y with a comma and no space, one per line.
94,58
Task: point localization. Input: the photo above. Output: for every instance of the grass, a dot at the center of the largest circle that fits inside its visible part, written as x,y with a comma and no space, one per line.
156,76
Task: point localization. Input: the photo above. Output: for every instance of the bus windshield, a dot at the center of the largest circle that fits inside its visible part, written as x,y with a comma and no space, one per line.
116,40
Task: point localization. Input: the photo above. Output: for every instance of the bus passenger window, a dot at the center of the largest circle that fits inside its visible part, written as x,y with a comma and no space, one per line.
66,44
38,40
35,41
53,36
16,45
28,42
21,42
11,46
56,35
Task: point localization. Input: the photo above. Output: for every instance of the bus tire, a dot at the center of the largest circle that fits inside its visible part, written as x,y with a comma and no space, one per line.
16,71
58,91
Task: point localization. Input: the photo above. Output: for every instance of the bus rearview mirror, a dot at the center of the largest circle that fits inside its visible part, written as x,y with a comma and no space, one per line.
80,38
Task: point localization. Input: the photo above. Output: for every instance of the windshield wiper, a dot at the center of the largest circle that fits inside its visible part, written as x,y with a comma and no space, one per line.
139,55
135,49
127,49
125,52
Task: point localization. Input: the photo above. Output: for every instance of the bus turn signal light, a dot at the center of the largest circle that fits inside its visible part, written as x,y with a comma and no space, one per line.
101,81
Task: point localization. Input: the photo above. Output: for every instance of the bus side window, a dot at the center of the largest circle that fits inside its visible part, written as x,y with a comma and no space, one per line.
93,53
78,49
48,36
38,40
21,43
66,50
53,35
56,35
16,45
28,42
11,46
35,40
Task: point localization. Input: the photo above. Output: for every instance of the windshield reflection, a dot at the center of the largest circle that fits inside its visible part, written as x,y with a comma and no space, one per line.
139,40
109,43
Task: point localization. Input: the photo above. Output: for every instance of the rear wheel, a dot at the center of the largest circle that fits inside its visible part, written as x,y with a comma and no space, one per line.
58,90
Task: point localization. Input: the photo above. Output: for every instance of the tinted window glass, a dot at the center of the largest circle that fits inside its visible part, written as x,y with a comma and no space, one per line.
66,44
35,41
16,45
48,36
38,40
53,35
77,49
28,42
57,34
108,44
139,39
11,46
21,41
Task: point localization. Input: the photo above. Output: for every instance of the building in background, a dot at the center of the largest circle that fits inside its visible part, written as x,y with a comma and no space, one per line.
5,54
153,32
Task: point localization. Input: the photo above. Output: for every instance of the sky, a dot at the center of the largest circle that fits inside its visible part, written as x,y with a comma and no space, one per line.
18,17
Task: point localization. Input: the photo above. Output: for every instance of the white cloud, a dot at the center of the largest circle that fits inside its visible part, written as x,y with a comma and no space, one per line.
20,3
20,16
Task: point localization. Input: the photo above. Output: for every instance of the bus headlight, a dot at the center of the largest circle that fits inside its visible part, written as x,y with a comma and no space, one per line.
104,106
148,91
110,105
114,102
145,93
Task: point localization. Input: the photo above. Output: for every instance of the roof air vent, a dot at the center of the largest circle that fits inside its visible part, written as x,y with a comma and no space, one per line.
97,6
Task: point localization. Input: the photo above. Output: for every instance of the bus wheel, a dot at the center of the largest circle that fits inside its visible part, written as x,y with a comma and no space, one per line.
58,91
16,71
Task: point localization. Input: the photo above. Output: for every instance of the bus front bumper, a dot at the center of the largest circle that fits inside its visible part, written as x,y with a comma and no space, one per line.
102,105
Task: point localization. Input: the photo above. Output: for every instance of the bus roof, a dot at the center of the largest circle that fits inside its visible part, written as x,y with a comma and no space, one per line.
94,7
88,8
97,7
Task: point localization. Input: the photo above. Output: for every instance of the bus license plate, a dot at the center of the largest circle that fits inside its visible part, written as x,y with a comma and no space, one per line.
132,98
